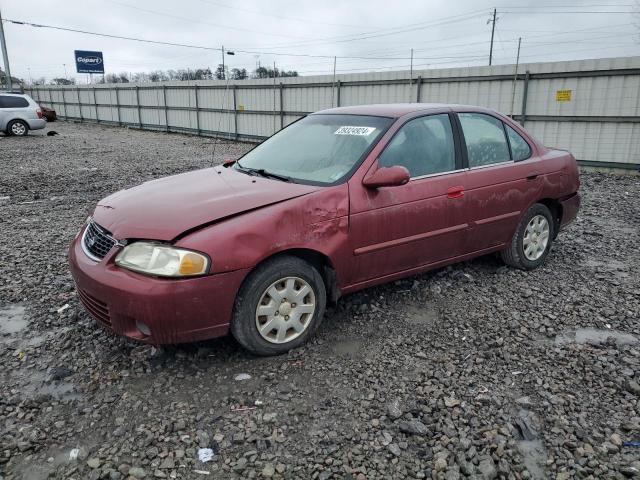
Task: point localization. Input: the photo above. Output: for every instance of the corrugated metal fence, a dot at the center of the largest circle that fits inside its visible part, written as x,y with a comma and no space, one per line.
591,107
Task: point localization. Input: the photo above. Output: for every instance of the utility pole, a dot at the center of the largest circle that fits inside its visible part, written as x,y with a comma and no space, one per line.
411,76
333,86
493,29
65,71
515,77
224,74
5,57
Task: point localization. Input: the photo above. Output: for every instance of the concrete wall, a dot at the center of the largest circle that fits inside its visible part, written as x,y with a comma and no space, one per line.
600,123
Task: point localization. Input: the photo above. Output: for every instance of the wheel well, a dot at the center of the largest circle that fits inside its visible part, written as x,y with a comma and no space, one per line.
555,207
321,262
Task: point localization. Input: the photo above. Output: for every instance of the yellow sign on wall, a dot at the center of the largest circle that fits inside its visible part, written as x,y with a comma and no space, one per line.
563,95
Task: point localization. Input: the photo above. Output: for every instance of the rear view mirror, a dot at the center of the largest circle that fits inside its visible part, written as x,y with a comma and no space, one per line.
387,177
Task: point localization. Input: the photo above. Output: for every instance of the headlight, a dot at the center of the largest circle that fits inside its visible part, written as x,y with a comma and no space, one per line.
162,260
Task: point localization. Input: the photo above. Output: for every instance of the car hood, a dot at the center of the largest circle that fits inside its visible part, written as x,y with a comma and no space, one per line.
165,208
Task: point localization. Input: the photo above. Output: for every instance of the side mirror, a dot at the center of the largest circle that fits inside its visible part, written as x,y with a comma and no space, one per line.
387,177
227,162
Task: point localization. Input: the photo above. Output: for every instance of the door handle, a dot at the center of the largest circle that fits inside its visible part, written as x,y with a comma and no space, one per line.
455,192
533,176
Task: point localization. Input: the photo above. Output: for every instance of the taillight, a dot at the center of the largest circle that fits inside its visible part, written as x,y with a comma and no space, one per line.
39,113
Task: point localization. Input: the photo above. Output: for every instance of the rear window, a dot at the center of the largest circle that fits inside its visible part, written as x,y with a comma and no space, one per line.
7,101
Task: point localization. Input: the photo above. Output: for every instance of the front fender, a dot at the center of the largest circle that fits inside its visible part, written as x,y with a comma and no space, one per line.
318,221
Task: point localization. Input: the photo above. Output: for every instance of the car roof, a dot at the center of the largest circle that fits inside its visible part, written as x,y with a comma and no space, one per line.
396,110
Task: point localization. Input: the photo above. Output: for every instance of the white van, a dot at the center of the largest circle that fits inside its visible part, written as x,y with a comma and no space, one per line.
19,113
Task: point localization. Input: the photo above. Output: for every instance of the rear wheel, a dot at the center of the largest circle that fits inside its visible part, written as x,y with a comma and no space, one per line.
17,128
279,306
531,243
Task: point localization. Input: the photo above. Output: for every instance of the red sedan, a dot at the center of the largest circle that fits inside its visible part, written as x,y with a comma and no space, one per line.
338,201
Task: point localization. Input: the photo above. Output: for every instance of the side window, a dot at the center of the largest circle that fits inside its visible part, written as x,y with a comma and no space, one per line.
424,146
7,101
520,149
485,139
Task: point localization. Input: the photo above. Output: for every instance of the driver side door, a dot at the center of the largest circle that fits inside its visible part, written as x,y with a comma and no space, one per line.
400,229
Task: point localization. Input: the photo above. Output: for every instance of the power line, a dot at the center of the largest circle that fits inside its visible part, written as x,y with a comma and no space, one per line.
158,42
282,17
192,20
554,12
107,35
386,32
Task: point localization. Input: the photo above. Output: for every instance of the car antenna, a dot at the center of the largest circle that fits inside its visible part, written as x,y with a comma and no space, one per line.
224,101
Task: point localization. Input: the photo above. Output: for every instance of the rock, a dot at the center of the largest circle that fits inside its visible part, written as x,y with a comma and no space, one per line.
633,387
394,449
616,440
440,464
240,464
137,472
394,409
487,468
59,373
268,471
451,402
413,427
93,463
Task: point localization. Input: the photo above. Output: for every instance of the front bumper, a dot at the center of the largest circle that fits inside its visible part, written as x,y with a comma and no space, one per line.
154,310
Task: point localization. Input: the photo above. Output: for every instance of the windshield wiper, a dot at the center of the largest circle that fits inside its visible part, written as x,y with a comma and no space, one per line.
262,172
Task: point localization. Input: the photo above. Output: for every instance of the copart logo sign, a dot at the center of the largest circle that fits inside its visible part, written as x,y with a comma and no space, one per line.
89,62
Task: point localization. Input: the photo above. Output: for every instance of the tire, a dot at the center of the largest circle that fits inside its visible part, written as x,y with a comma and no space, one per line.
276,285
17,128
532,240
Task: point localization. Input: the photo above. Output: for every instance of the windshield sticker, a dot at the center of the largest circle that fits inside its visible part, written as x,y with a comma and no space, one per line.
363,131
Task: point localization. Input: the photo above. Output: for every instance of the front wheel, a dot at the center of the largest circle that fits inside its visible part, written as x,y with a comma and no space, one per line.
17,128
279,306
531,243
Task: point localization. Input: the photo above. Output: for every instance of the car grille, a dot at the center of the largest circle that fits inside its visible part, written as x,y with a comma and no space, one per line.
97,241
97,309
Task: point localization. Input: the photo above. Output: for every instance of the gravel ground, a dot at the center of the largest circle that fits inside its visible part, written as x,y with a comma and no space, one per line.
475,371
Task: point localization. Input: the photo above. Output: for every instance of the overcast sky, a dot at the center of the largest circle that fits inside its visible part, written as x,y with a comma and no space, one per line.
442,33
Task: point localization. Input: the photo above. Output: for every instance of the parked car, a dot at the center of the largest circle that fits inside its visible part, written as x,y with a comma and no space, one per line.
49,114
19,113
338,201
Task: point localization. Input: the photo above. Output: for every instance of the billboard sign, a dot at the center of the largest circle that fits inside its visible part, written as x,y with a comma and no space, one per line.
89,62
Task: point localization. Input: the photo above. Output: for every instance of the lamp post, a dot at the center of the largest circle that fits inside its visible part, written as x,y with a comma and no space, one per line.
229,52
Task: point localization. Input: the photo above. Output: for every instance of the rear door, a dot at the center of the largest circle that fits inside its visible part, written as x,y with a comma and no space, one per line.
4,114
502,179
397,229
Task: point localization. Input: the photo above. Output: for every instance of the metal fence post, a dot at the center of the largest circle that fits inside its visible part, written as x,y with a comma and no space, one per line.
138,105
235,111
338,93
95,105
117,105
64,104
164,101
418,88
281,106
198,109
525,91
79,104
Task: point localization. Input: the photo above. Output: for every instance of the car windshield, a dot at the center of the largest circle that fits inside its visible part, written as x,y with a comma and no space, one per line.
319,149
